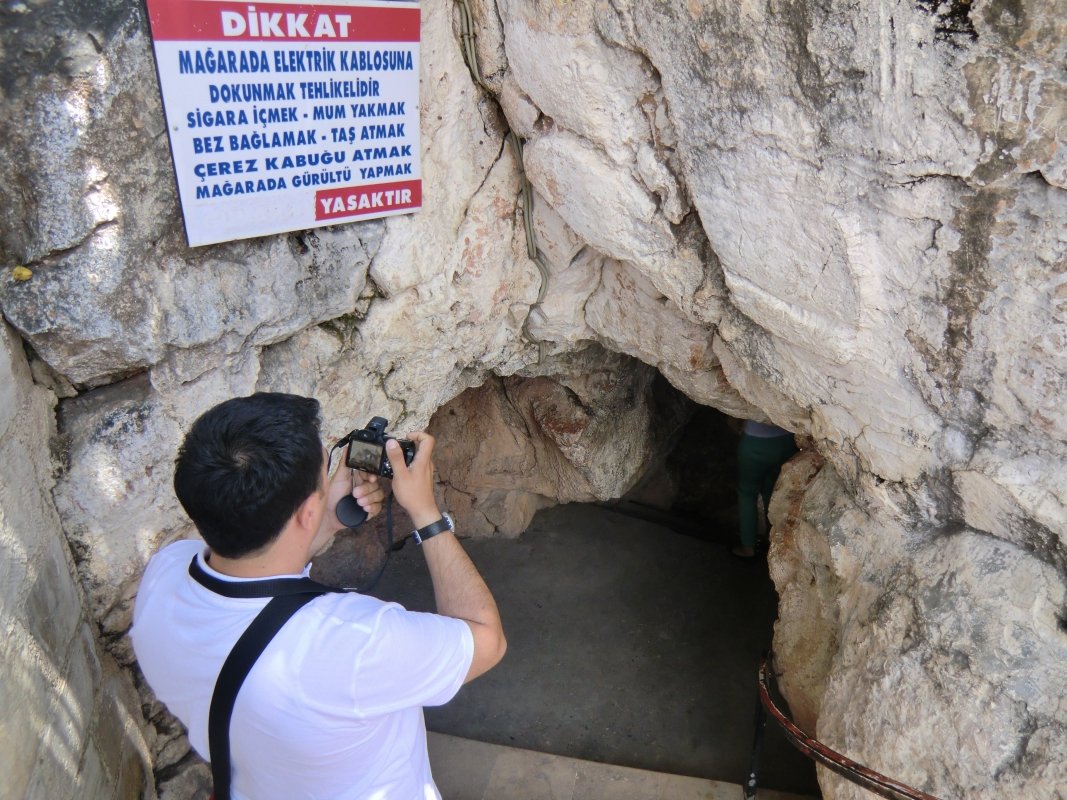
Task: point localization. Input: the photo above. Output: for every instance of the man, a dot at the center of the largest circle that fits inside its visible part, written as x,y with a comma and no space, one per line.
332,709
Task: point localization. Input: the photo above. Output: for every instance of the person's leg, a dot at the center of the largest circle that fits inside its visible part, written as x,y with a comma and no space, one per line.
776,452
770,477
749,473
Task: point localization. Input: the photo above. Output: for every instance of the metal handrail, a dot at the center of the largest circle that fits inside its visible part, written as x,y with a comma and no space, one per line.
817,751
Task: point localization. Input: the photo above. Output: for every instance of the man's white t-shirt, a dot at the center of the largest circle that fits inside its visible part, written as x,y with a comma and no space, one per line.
332,710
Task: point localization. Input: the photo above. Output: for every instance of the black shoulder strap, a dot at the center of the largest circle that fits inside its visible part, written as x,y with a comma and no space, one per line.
268,587
288,595
240,660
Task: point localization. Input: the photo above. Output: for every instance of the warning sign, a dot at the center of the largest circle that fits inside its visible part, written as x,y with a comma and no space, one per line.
289,115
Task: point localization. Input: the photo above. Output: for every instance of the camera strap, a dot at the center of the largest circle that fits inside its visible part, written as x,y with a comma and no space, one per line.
288,595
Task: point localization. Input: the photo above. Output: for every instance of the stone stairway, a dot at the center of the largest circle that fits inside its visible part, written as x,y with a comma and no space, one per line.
468,770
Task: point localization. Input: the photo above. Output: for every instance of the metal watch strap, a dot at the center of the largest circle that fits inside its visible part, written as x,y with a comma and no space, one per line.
434,528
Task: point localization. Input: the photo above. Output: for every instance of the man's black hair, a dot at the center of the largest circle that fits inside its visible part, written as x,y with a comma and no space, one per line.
246,466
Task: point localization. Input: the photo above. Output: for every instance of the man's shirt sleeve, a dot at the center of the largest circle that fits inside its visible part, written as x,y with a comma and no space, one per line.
403,659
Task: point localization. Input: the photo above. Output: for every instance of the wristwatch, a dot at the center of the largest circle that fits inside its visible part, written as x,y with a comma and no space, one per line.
434,528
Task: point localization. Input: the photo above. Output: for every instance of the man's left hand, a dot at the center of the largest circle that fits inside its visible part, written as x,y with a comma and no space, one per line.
363,486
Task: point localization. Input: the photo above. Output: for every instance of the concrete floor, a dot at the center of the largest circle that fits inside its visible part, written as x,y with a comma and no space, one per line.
628,644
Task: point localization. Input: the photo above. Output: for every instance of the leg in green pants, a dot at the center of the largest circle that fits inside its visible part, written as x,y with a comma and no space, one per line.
759,460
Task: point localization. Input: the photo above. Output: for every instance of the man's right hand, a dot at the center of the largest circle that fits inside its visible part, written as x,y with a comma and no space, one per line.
413,485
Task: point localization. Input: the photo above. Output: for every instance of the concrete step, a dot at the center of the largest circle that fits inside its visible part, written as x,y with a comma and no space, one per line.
468,770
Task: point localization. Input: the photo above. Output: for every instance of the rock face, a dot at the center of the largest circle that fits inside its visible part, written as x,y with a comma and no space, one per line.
69,723
966,616
585,429
806,636
850,219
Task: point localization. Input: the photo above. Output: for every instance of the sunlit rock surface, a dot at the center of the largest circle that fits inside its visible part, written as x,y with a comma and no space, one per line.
850,219
893,643
71,725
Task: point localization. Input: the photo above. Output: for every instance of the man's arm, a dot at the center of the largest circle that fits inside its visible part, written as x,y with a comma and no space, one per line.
459,590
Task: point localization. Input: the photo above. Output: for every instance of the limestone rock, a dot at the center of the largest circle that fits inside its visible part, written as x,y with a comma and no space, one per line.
59,684
805,636
632,317
586,87
467,321
515,445
115,489
964,616
967,630
190,784
462,139
561,316
845,218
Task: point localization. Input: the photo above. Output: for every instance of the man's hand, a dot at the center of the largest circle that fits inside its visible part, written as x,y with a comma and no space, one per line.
363,486
413,485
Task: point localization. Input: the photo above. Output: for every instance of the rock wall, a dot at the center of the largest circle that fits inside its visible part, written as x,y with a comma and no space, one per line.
585,428
894,641
70,719
847,217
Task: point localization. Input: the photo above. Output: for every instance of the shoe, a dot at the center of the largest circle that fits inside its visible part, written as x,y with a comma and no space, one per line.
743,552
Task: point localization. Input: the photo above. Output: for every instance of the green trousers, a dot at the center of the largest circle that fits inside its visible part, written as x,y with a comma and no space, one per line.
759,460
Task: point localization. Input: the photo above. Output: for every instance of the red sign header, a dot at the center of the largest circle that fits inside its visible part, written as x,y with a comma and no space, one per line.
218,22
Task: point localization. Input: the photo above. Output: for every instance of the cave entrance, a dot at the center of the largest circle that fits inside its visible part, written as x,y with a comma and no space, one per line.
692,488
633,635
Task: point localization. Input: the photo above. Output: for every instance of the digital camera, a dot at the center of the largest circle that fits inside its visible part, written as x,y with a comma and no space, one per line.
366,448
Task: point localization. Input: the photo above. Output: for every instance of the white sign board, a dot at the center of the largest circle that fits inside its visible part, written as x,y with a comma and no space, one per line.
289,115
